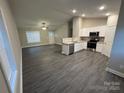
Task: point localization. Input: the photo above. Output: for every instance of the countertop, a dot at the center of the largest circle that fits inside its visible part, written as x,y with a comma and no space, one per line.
74,42
101,42
68,43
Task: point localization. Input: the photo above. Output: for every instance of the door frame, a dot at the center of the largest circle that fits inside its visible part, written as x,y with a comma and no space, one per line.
2,69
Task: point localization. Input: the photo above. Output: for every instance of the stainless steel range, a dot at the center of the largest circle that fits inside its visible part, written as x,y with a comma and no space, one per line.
94,38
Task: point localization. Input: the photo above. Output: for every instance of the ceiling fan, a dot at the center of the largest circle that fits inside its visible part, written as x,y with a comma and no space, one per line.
44,26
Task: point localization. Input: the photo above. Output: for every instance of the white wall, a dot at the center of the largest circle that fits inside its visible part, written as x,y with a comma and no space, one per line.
94,22
116,64
44,37
14,41
112,20
60,33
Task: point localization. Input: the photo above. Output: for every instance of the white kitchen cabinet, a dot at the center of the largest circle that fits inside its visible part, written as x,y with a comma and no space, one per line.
109,37
107,49
80,46
84,32
99,47
110,33
84,44
101,29
102,33
65,49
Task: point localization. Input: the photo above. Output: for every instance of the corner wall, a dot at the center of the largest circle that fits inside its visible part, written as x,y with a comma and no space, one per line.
116,64
60,33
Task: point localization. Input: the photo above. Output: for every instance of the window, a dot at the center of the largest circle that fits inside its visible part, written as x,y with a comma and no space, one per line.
33,36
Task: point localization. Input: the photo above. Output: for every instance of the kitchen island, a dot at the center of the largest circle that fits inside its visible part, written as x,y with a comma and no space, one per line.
73,47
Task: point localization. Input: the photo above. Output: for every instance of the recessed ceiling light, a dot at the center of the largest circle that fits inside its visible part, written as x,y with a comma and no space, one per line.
74,11
101,7
83,15
107,14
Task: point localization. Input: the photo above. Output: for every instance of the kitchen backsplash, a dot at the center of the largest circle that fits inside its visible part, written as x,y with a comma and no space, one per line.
101,39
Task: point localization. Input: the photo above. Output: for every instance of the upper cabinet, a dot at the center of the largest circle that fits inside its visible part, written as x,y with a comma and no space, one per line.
101,29
110,33
84,32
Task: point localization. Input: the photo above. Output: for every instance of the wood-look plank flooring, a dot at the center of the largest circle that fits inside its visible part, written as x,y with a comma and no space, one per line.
46,70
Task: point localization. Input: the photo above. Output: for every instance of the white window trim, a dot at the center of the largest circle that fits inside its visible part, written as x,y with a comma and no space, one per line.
31,40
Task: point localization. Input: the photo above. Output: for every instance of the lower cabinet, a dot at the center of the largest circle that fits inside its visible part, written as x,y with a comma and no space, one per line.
104,49
107,49
80,46
99,47
77,47
84,45
65,49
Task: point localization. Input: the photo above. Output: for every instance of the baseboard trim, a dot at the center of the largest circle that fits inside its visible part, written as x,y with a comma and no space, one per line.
35,45
115,72
31,46
58,43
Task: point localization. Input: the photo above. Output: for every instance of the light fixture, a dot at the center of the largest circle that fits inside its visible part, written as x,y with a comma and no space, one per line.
44,28
74,11
107,14
83,15
101,7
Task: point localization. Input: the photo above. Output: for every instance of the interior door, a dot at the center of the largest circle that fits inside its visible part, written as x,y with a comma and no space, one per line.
7,60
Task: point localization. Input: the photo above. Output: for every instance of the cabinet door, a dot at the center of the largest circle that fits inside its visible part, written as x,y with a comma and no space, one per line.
109,35
84,32
77,47
80,46
102,33
107,49
84,45
99,48
65,49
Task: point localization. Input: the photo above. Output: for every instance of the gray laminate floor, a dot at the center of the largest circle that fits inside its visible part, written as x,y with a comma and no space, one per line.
46,70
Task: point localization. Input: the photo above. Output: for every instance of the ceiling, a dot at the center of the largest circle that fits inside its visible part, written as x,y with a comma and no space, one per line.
29,13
